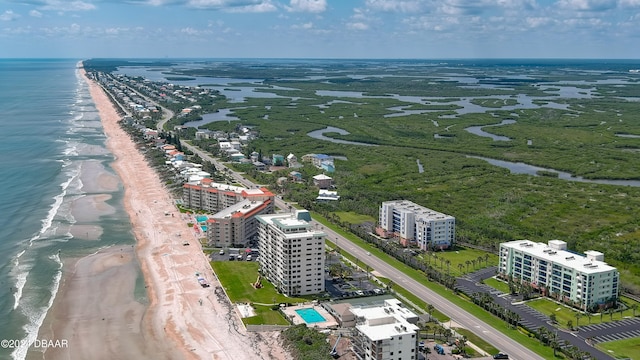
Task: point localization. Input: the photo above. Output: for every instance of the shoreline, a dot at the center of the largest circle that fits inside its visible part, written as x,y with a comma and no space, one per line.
182,320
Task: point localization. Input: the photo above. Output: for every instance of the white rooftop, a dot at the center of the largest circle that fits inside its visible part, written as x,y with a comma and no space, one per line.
554,252
384,322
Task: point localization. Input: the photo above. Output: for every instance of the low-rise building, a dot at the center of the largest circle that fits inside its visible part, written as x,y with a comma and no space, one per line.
584,281
213,197
385,332
322,181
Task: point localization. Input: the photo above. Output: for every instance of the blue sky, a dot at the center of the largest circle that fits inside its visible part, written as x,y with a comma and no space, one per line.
430,29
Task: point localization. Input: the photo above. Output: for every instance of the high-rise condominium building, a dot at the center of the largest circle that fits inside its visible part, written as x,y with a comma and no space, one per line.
291,252
415,224
586,282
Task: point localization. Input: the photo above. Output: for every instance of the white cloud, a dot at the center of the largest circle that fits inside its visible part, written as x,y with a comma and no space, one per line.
35,13
57,5
8,15
587,5
630,3
311,6
405,6
536,22
236,6
305,26
358,26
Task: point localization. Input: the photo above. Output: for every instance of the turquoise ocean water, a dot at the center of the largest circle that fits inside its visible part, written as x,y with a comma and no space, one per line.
50,135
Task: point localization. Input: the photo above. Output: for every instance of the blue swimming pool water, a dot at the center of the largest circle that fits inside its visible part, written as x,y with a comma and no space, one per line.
203,227
310,315
201,218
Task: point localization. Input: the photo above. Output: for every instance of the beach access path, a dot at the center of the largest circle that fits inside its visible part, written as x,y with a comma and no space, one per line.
183,320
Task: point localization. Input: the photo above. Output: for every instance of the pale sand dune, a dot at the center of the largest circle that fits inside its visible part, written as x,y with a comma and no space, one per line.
183,319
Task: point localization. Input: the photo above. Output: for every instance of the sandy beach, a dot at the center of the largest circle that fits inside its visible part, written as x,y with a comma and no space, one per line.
96,309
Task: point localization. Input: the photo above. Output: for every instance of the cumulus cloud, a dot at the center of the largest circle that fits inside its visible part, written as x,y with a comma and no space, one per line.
587,5
406,6
35,13
311,6
8,15
357,26
58,5
305,26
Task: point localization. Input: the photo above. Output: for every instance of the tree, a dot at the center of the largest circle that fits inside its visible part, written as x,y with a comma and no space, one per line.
634,307
448,262
460,267
468,263
474,261
578,316
553,318
570,324
430,309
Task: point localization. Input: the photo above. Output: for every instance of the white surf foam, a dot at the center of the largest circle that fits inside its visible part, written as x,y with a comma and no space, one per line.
36,316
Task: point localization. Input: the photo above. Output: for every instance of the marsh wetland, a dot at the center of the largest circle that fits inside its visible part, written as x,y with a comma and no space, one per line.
579,119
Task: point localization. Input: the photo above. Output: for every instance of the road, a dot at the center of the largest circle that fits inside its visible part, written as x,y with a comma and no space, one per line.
460,316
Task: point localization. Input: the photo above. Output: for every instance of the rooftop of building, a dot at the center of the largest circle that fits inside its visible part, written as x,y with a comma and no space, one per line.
555,251
386,321
242,208
419,210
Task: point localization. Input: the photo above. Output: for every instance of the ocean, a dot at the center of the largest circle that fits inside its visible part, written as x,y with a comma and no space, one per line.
59,198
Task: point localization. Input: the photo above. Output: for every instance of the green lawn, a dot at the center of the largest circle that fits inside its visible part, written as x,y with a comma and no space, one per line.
477,341
354,218
497,284
458,260
237,278
622,349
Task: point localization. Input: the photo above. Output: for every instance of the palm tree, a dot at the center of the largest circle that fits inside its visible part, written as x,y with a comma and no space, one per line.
448,262
486,259
554,343
578,316
543,333
460,267
462,344
570,324
480,258
468,263
430,309
447,334
474,261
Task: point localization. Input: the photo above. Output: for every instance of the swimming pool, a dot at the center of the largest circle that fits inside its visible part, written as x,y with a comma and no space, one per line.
310,315
203,227
201,218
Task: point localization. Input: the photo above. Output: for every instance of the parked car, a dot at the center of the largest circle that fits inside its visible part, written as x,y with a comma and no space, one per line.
500,356
232,257
221,251
249,257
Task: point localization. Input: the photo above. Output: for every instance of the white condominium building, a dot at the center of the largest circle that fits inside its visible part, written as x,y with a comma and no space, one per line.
291,252
415,224
586,282
385,332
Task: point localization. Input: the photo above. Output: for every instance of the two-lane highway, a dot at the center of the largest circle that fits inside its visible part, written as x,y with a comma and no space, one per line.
460,316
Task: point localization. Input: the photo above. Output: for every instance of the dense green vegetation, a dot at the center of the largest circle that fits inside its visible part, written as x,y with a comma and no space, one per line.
490,204
306,344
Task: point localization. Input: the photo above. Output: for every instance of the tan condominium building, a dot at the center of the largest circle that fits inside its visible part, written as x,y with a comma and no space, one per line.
213,197
291,252
236,225
584,281
416,225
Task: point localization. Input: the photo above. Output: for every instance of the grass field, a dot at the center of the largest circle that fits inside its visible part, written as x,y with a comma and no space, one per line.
622,349
477,341
564,313
237,279
458,260
497,284
354,218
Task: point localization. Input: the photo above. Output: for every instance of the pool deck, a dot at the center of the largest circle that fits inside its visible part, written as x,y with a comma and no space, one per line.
291,313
